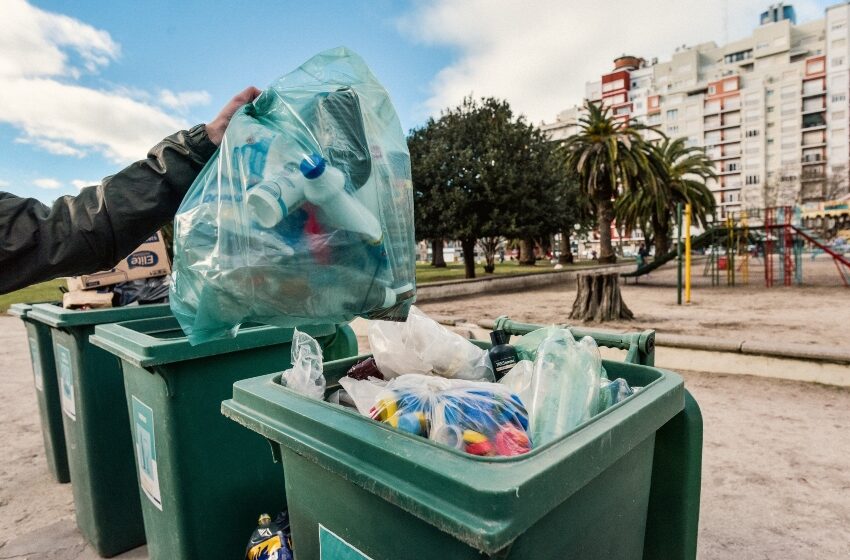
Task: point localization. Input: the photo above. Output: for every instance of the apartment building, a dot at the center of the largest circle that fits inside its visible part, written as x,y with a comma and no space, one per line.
771,110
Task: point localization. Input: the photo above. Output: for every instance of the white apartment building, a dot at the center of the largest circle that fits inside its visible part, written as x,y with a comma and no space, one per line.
771,110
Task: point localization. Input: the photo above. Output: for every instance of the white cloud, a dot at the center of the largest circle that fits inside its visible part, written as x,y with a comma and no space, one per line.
47,183
81,184
183,100
42,56
4,184
538,55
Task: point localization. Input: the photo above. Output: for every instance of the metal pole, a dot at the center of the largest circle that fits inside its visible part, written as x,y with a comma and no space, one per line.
688,253
679,251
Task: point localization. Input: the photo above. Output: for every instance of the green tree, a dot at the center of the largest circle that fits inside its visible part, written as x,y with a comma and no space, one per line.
679,174
607,156
480,173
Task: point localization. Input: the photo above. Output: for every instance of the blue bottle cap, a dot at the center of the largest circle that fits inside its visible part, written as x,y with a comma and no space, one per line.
312,166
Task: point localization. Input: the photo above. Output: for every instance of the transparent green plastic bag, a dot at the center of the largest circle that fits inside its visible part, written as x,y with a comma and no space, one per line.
305,213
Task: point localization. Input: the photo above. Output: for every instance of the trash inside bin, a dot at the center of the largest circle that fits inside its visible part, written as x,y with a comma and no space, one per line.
46,392
585,494
203,479
97,428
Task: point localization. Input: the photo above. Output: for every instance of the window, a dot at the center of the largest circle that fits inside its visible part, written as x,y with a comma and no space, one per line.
672,114
838,25
730,85
837,61
738,56
814,67
734,166
752,133
769,141
672,129
752,180
619,111
770,109
712,89
615,85
768,93
839,97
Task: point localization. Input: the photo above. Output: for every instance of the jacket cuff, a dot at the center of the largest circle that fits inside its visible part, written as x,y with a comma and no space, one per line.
200,143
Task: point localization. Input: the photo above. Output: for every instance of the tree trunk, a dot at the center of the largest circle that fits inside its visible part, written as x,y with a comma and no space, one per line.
526,255
566,256
598,298
604,217
437,258
662,237
468,246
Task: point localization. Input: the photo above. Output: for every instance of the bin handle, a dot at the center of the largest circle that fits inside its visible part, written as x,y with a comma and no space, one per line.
640,346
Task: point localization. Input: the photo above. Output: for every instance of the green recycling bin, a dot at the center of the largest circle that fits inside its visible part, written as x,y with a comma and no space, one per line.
97,428
203,479
623,485
46,392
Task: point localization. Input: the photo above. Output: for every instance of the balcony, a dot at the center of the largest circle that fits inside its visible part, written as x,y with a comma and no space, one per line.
812,92
813,160
812,177
736,171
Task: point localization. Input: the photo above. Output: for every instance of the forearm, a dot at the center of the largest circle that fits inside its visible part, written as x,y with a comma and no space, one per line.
103,224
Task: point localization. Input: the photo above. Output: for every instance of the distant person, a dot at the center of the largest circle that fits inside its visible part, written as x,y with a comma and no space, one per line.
593,255
103,224
642,255
501,256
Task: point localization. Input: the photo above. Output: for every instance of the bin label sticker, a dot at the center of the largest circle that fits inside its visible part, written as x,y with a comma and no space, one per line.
66,382
332,547
145,441
38,376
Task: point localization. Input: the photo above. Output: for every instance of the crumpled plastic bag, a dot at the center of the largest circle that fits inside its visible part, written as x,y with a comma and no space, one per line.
480,418
564,386
144,291
518,379
306,374
614,391
305,213
421,345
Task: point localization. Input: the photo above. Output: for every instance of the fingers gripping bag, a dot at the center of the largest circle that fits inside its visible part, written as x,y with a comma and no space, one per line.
305,213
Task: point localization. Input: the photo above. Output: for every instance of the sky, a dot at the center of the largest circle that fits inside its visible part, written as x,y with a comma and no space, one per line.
88,87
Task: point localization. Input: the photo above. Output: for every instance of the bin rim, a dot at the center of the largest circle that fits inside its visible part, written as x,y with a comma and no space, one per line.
59,317
132,341
485,510
20,310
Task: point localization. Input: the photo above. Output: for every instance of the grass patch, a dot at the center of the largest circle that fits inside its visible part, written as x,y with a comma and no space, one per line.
37,293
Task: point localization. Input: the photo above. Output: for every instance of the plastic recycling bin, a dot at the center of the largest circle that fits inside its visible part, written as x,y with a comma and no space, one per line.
203,479
623,485
97,428
46,392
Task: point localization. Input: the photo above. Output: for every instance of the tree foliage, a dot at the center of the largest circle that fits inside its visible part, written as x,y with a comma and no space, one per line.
678,174
608,157
480,173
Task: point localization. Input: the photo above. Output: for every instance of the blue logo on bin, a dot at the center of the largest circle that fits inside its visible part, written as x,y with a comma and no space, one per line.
142,259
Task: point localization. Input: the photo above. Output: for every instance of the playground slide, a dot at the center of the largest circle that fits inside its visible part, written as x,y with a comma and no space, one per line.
809,236
699,242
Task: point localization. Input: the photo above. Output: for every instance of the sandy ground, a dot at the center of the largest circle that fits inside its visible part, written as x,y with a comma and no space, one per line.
816,312
776,483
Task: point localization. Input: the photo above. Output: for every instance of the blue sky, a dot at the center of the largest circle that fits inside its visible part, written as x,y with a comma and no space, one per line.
90,85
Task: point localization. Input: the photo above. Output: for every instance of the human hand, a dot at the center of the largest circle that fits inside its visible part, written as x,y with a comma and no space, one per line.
216,127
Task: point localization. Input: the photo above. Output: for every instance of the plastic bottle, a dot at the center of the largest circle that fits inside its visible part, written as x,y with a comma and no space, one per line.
502,355
323,186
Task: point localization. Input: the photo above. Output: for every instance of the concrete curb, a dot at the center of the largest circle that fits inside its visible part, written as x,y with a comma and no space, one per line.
810,352
435,291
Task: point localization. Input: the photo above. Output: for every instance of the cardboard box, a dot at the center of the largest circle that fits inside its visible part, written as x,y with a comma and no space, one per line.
148,261
87,299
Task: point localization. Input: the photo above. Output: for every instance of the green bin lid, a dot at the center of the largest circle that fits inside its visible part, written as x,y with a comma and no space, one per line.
486,502
19,310
59,317
160,340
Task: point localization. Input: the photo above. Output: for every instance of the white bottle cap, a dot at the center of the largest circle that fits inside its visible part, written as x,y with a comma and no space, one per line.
265,206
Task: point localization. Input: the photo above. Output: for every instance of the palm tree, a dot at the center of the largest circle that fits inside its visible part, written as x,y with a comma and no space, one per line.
607,157
678,174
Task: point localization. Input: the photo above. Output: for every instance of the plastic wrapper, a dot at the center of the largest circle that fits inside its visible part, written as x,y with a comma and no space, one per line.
613,392
565,385
142,292
306,374
271,540
518,379
480,418
421,345
305,213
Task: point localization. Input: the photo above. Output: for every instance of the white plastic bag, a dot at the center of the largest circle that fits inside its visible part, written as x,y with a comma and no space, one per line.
518,379
421,345
305,376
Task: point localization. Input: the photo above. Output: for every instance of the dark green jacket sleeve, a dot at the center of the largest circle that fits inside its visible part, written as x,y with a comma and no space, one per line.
103,224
